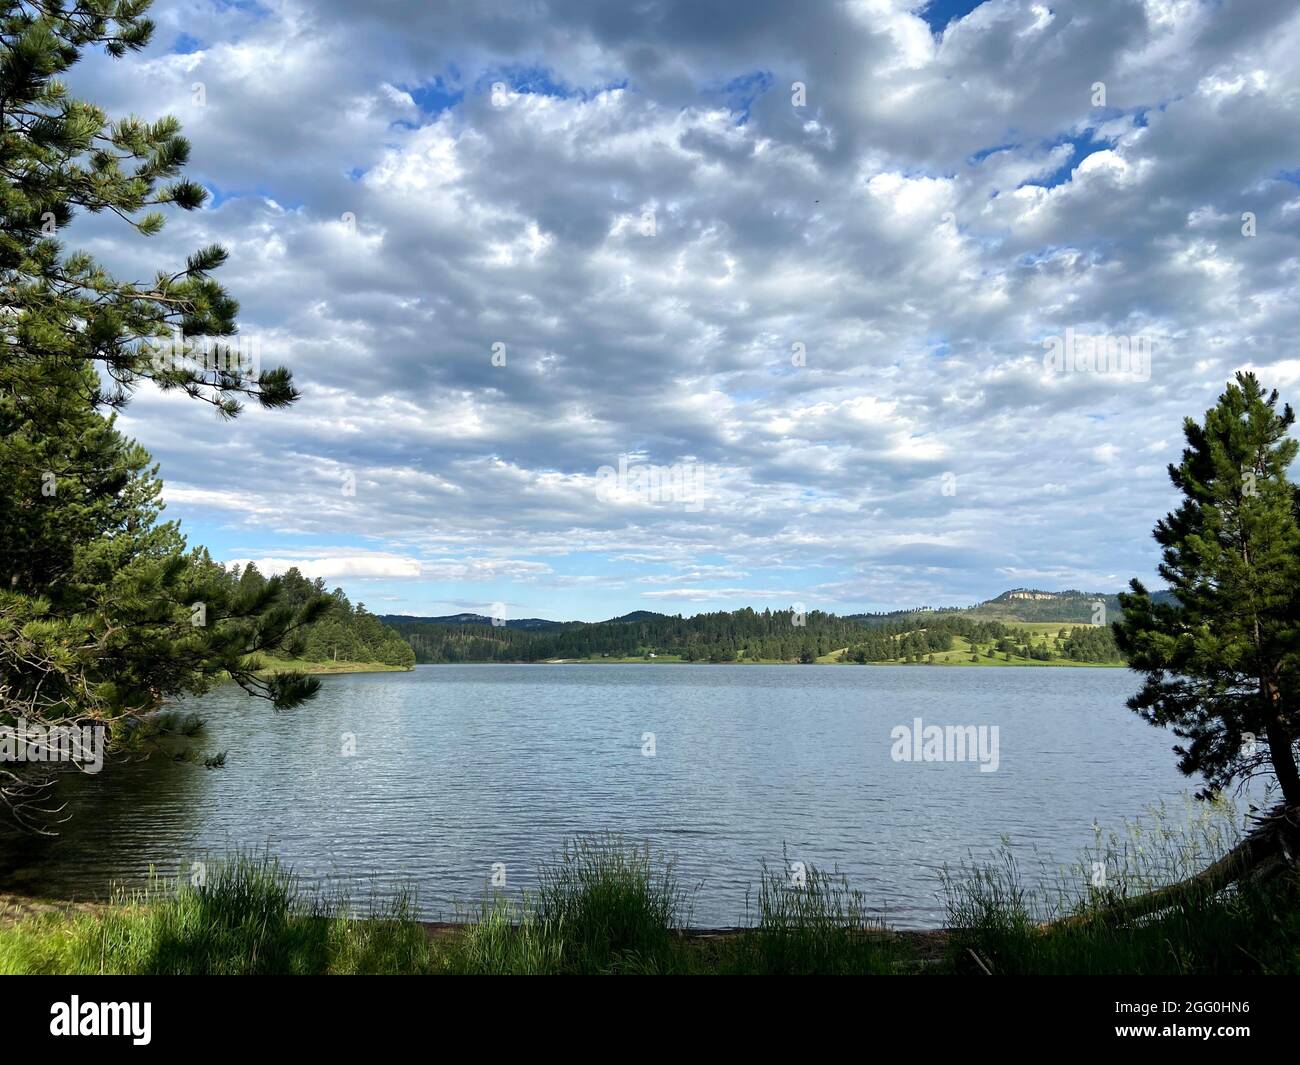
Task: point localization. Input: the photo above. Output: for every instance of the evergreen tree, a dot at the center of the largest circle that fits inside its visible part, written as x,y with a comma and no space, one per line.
59,156
103,614
1221,662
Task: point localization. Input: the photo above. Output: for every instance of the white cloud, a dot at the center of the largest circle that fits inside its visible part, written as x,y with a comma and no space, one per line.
899,229
338,566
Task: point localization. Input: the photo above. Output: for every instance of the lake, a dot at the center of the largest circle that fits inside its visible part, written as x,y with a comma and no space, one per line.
459,768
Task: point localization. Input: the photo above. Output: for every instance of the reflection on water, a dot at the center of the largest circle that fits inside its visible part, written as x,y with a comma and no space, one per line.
460,767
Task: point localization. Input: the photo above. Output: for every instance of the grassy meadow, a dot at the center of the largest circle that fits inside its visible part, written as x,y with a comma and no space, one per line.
300,665
965,653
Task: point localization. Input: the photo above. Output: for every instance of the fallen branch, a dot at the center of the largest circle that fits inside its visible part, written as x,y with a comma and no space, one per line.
1267,851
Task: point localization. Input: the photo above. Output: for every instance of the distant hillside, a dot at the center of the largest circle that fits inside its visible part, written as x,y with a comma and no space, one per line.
983,631
1034,604
514,623
1015,604
725,636
1028,604
471,619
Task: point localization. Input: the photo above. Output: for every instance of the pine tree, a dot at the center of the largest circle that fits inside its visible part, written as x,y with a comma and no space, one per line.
103,613
104,616
60,156
1222,662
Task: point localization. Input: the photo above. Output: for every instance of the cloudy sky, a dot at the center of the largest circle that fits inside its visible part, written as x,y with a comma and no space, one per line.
694,305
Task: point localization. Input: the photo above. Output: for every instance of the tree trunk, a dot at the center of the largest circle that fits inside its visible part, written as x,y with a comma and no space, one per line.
1272,846
1283,756
1279,738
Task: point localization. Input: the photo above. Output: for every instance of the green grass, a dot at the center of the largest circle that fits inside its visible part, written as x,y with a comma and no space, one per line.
615,906
602,906
816,926
961,653
606,907
505,940
999,922
301,665
249,916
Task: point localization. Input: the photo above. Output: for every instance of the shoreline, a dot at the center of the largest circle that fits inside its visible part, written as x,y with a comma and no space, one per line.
17,907
777,662
328,668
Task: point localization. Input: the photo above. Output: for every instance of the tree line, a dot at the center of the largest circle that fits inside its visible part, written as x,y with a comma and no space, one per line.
913,641
723,636
748,635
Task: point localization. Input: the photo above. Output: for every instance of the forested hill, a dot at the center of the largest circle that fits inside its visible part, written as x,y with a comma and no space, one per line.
346,633
769,636
1028,605
470,619
721,637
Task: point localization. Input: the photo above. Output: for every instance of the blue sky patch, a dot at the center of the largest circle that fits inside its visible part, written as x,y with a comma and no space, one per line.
538,81
187,45
939,13
434,96
741,92
1081,145
978,157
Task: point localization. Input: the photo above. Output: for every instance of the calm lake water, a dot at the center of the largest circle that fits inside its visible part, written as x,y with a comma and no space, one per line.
460,767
